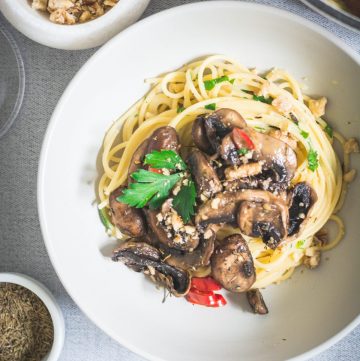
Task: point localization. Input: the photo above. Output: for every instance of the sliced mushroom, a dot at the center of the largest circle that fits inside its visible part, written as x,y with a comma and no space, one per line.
243,171
224,206
229,152
199,136
206,180
128,219
138,158
200,257
262,220
302,198
141,257
232,264
173,233
257,302
164,138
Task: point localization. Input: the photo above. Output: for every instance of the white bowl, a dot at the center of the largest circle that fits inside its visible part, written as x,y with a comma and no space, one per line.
37,26
49,301
307,313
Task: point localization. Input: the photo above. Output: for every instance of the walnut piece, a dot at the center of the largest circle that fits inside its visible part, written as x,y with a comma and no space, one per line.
317,106
351,146
73,11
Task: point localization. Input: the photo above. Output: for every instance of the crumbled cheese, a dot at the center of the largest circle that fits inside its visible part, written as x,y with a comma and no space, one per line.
190,229
176,221
203,197
302,215
165,171
159,217
317,106
208,234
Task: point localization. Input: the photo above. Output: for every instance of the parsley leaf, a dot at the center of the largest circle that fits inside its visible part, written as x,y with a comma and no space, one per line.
211,106
259,98
210,84
299,244
329,130
150,188
304,134
104,217
180,109
313,161
243,151
262,99
184,201
164,159
260,129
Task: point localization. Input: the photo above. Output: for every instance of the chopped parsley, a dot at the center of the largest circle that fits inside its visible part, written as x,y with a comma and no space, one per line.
313,161
210,84
150,188
211,106
329,131
304,134
243,151
184,201
180,109
299,244
164,159
259,98
260,129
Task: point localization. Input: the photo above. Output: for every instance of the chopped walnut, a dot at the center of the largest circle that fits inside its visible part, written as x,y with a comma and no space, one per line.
317,106
312,261
73,11
39,5
349,176
351,146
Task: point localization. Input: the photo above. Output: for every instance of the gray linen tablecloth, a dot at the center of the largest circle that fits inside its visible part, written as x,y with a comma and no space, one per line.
48,71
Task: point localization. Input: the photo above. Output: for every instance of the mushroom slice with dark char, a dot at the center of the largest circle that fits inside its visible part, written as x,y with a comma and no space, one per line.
200,257
224,206
206,180
170,230
199,136
232,264
141,257
302,198
257,302
128,219
262,220
209,129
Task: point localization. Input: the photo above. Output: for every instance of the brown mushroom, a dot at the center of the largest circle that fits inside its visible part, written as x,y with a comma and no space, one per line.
232,264
137,158
169,229
257,302
128,219
206,179
164,138
199,136
224,206
141,257
262,220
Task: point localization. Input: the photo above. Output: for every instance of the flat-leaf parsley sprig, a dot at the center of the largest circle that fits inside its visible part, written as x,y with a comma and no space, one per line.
153,189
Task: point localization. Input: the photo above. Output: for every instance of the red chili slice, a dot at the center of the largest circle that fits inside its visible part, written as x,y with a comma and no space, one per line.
205,284
239,137
155,170
204,298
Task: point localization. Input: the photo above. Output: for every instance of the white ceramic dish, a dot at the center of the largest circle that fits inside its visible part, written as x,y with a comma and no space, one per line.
308,313
37,26
49,301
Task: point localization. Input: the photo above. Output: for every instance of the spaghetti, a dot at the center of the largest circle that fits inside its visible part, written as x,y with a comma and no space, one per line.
177,98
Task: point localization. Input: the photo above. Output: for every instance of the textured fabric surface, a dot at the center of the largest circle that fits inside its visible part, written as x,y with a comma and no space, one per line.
48,71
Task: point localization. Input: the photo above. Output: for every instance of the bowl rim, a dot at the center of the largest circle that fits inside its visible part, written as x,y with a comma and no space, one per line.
21,74
51,304
55,118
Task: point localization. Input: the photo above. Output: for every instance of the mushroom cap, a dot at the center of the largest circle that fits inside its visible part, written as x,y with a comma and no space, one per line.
142,257
128,219
232,264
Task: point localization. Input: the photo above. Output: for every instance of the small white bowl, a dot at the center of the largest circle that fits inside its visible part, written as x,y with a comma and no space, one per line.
49,301
37,26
